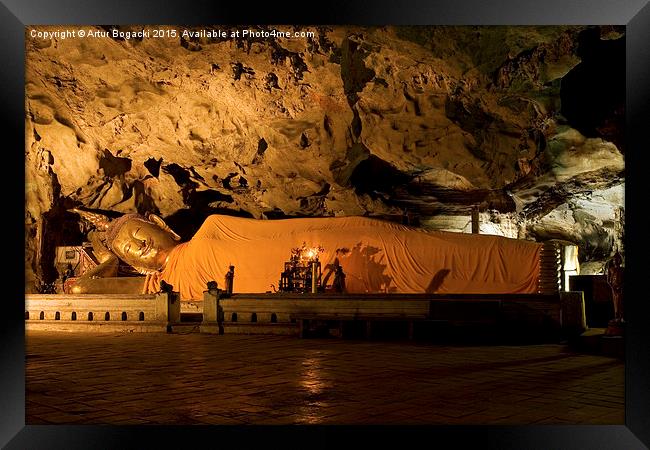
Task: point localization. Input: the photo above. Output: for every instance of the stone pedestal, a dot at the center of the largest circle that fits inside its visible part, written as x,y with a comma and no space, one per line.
613,346
212,313
168,307
599,307
596,341
574,319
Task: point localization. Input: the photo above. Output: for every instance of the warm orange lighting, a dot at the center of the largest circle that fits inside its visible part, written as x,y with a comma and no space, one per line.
308,254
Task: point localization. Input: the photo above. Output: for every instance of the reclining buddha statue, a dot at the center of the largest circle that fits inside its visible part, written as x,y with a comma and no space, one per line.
376,256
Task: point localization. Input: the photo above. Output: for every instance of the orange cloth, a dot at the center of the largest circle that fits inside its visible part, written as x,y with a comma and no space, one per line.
376,256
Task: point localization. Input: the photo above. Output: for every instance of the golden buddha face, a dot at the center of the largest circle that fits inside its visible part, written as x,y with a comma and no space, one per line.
143,244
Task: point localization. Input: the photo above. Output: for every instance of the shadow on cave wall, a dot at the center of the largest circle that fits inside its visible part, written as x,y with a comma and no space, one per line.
186,222
374,175
371,259
437,280
60,227
199,203
593,92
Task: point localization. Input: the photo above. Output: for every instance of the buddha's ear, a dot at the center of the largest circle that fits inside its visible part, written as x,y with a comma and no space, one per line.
161,223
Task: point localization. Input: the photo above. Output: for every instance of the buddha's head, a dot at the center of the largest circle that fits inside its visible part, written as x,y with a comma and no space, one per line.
143,242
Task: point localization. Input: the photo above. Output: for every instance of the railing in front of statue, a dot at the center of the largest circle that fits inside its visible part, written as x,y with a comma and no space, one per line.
98,313
281,313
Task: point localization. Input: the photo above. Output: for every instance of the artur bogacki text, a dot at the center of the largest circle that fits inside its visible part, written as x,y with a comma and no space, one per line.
146,33
98,33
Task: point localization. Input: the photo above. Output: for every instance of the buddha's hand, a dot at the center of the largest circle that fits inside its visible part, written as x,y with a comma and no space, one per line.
151,283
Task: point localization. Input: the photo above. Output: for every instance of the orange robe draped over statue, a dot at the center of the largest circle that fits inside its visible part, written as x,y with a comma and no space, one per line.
376,256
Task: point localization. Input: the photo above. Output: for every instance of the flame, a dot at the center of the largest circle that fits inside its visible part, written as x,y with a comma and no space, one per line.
305,253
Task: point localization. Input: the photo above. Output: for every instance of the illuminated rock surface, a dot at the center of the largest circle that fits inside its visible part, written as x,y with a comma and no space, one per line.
523,122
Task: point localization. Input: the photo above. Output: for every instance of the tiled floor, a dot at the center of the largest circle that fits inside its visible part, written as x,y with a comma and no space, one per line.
235,379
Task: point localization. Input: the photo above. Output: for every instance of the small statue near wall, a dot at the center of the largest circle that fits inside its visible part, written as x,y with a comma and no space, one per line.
614,269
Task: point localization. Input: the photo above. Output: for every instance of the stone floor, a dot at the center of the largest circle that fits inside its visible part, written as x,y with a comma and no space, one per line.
192,378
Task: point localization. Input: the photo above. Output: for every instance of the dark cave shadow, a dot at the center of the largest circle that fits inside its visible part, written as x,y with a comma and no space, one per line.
437,280
186,222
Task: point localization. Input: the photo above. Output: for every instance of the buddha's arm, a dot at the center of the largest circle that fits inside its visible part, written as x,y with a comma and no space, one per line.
103,279
99,249
110,285
85,284
108,268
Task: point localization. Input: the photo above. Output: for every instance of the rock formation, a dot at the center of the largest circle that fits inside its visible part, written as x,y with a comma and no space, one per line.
416,124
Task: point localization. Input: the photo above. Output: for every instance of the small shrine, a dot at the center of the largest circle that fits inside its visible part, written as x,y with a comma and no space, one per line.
302,273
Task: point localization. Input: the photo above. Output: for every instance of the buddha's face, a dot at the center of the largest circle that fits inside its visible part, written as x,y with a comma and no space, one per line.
143,244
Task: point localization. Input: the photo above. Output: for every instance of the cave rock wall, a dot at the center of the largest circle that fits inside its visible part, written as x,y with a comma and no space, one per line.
416,124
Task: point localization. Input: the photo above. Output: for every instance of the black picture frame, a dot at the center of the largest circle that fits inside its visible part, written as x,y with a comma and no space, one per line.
635,14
